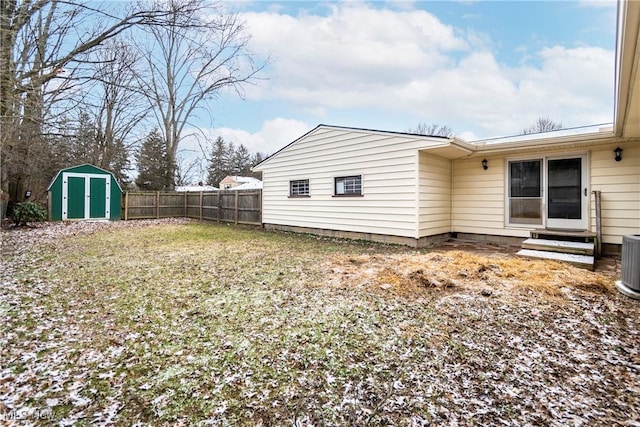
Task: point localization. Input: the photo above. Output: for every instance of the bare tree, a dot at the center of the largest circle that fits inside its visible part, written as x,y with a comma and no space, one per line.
543,124
187,170
42,45
433,129
192,59
116,106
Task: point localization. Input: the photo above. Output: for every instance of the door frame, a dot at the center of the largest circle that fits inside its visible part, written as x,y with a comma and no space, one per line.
87,194
570,224
545,221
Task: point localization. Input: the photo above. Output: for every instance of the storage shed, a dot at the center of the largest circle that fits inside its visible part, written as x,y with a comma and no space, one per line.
84,192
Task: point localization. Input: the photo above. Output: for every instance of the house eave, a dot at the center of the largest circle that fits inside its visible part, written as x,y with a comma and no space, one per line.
454,148
457,149
627,83
410,136
554,143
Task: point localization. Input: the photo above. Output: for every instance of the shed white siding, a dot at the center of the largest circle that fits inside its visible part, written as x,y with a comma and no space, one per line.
387,163
619,184
434,195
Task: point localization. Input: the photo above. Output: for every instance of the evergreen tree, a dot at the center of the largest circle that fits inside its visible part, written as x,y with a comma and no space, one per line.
217,168
255,159
241,161
82,144
154,171
229,159
226,159
119,164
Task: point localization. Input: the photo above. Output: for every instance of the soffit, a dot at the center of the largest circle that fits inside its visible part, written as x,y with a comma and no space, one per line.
628,90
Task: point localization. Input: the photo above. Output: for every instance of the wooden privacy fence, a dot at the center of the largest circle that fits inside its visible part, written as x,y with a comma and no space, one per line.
238,207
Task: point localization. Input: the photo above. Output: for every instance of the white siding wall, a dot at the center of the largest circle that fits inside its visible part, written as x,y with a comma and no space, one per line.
443,196
387,163
619,183
478,197
434,195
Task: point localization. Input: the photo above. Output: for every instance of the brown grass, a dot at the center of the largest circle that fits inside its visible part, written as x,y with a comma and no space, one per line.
416,274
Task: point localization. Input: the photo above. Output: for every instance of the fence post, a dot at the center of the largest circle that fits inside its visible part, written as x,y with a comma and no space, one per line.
157,204
185,210
126,205
201,201
235,202
219,194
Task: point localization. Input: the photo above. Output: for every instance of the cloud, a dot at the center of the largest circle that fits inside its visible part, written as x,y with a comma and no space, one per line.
354,46
273,135
408,63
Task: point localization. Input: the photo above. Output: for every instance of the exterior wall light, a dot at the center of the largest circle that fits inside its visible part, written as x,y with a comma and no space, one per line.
618,152
485,164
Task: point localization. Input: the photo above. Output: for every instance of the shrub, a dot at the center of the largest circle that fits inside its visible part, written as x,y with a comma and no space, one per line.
26,212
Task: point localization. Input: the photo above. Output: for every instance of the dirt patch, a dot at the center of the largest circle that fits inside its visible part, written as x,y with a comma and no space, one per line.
416,274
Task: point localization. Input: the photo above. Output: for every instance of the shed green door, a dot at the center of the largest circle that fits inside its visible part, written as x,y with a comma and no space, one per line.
85,196
98,199
76,197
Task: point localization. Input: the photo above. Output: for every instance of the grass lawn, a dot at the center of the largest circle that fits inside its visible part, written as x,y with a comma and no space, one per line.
178,322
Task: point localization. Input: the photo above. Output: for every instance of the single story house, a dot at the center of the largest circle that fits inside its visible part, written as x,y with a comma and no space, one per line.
416,189
255,184
231,181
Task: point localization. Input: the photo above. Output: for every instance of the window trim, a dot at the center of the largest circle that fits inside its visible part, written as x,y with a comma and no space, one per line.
302,195
507,194
350,194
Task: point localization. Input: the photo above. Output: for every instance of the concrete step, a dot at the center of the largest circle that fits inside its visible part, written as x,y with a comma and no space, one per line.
579,248
582,261
576,236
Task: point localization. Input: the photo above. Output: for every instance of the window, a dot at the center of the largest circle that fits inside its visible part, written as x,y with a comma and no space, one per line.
348,186
525,192
299,188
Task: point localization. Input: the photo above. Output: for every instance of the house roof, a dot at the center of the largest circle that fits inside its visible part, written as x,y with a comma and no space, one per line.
195,188
83,166
354,129
627,96
248,186
243,179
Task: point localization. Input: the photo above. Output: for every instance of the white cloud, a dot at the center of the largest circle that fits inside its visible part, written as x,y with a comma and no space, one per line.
407,62
272,136
354,47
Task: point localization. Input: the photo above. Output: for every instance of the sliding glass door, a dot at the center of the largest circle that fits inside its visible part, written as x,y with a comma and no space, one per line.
549,192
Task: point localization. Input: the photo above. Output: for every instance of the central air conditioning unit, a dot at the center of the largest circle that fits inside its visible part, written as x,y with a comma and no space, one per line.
629,283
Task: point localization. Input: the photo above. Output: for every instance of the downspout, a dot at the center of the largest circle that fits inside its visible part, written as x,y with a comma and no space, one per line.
598,202
451,232
417,199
